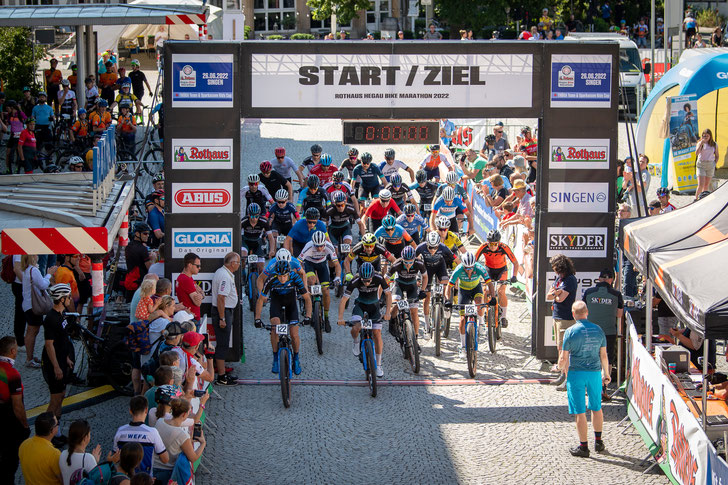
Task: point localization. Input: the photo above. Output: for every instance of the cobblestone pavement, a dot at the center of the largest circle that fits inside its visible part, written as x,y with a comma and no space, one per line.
420,434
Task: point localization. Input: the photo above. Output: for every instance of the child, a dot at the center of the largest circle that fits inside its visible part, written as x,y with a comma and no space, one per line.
146,305
126,124
80,129
506,212
92,93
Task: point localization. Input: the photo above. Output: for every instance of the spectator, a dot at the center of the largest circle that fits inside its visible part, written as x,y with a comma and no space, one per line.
642,32
142,479
33,280
563,294
165,314
629,275
689,25
147,437
131,457
28,102
632,187
27,146
193,358
38,457
12,410
707,154
101,64
225,299
558,34
146,305
188,293
606,308
520,196
653,208
53,79
107,83
137,295
498,194
159,39
474,169
74,461
534,34
92,93
584,354
163,376
470,35
716,38
519,166
432,34
155,218
447,128
545,22
162,407
177,439
15,120
157,267
19,314
606,11
68,274
699,42
43,115
400,35
137,259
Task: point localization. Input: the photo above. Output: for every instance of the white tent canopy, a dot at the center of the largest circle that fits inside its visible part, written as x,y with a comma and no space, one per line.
109,36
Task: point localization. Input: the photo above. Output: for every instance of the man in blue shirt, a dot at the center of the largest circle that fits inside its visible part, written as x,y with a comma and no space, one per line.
583,356
43,114
302,231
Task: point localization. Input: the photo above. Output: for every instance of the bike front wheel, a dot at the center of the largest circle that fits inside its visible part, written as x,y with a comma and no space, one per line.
472,352
318,326
285,376
371,369
492,329
411,344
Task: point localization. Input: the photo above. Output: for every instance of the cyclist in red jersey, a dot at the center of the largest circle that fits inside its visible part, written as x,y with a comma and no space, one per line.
379,209
529,145
324,170
337,184
496,255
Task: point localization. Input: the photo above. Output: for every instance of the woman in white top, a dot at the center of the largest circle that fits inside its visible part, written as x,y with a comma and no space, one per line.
74,461
176,439
32,278
707,153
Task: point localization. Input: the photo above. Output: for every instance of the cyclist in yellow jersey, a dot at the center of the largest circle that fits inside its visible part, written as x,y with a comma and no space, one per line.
447,237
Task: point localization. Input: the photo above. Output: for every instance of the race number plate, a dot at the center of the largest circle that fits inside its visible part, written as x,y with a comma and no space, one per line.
282,329
345,248
438,288
470,309
315,289
253,258
281,239
428,207
366,324
403,305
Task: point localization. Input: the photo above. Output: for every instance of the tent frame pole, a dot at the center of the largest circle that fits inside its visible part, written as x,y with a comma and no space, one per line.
705,383
648,316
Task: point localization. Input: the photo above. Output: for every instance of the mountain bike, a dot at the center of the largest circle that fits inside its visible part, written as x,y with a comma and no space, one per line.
437,311
344,249
250,277
471,334
285,357
406,335
317,316
366,354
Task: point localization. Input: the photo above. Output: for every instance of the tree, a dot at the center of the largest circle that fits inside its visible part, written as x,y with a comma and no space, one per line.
18,60
345,10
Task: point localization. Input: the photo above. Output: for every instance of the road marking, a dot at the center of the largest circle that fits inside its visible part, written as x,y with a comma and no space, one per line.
74,400
419,382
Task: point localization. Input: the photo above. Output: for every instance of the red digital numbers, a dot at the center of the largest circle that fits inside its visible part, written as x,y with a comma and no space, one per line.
396,133
386,133
370,133
424,132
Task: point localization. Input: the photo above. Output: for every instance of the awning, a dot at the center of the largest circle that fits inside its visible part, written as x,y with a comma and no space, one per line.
99,14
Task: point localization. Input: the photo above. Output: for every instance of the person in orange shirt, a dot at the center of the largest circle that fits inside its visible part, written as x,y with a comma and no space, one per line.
53,79
81,128
101,119
126,125
66,273
73,77
107,82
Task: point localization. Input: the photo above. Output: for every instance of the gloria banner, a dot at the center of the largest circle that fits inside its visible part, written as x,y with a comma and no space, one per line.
391,80
684,136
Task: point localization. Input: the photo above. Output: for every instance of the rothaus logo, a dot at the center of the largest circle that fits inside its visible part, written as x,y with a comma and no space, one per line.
389,75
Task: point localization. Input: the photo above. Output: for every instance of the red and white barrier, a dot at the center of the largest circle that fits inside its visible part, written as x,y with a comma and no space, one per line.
97,284
124,231
58,240
198,19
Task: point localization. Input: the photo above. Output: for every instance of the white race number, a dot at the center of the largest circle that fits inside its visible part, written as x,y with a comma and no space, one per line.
345,248
403,305
366,324
281,239
252,258
315,289
282,329
470,310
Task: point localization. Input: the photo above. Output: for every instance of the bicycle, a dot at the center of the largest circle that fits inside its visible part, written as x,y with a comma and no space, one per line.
471,334
251,277
366,353
406,335
437,312
317,316
344,249
285,358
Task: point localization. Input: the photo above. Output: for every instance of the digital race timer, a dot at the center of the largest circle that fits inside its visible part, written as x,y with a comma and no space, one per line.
393,132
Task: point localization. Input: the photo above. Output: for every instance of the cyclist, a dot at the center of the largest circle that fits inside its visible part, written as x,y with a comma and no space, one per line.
324,170
495,254
285,165
350,163
67,100
401,193
663,194
407,269
369,178
282,215
379,209
80,129
253,193
431,163
254,227
273,181
449,206
412,222
126,94
340,217
316,256
437,258
426,190
368,283
283,254
155,213
313,196
467,276
302,230
126,126
158,181
368,250
448,238
282,288
337,184
394,236
452,179
309,162
390,166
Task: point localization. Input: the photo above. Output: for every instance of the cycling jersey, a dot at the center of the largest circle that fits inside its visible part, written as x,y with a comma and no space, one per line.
412,227
317,255
389,170
126,124
400,195
449,211
358,253
254,232
282,215
308,163
367,293
369,178
398,236
260,197
495,258
378,212
284,167
302,234
443,254
466,282
270,267
452,241
121,96
404,274
338,219
101,121
318,199
426,192
344,187
668,208
274,286
530,146
324,174
459,191
81,128
349,165
433,163
273,182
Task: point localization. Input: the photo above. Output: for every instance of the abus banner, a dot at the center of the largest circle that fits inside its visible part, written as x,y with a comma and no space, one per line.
391,81
202,153
584,153
577,242
203,280
202,198
206,242
581,81
578,197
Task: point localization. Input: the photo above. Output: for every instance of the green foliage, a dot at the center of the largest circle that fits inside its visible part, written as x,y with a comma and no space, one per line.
408,34
302,36
248,31
600,25
17,62
345,9
709,18
274,37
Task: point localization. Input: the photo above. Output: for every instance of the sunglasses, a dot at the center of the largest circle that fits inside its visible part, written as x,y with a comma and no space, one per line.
389,229
499,131
281,202
442,229
197,265
253,184
311,223
409,215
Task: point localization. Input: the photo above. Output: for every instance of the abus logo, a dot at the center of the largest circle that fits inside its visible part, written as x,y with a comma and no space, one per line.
202,198
578,197
577,242
205,242
202,153
586,153
721,75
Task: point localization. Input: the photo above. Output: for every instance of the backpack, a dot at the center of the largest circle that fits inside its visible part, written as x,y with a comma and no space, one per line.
101,474
7,274
150,366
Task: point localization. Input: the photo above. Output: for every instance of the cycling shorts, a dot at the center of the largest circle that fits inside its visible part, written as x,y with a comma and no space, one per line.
411,290
432,173
296,247
416,237
287,300
321,270
253,247
395,249
367,192
281,227
469,296
440,271
498,274
374,224
337,234
372,310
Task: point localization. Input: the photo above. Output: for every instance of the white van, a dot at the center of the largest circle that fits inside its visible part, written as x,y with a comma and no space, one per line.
631,76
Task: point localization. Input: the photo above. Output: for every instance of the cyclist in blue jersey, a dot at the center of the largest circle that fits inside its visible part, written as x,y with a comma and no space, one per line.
302,230
390,166
452,179
282,215
450,206
283,254
313,196
369,177
282,289
394,236
412,222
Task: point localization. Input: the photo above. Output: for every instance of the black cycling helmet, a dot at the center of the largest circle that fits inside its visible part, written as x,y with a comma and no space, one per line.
353,152
282,267
526,129
338,177
313,182
663,191
421,176
316,149
435,148
494,236
389,153
312,213
410,209
366,157
159,177
142,227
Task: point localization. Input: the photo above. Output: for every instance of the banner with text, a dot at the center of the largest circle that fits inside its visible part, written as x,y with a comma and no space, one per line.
202,81
581,81
684,136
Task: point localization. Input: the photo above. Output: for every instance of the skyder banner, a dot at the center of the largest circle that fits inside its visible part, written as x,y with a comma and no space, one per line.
391,81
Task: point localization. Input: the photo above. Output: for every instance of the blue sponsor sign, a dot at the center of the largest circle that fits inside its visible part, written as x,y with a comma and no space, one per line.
484,219
202,81
206,242
717,469
581,81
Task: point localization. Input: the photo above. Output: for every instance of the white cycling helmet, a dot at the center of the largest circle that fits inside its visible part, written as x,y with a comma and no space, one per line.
281,195
452,177
318,238
253,178
448,193
468,260
283,254
442,222
56,292
433,239
385,194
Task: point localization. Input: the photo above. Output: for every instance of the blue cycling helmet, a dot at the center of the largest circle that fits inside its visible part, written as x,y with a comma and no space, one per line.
396,180
103,103
81,111
408,253
253,210
389,222
366,271
282,267
326,160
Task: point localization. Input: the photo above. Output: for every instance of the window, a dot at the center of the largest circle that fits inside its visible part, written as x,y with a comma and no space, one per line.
378,11
272,15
